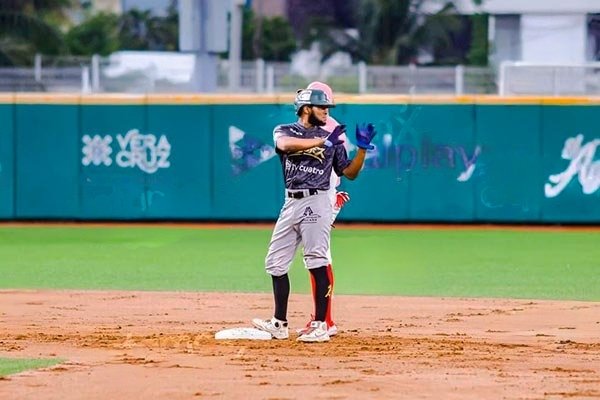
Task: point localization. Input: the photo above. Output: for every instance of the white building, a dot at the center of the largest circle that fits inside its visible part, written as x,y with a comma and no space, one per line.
540,31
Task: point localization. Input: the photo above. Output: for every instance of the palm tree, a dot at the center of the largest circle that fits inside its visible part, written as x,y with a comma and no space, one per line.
325,22
141,30
389,31
28,27
98,34
393,31
271,39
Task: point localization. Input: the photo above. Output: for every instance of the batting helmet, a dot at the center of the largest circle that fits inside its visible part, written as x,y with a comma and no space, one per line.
311,97
322,86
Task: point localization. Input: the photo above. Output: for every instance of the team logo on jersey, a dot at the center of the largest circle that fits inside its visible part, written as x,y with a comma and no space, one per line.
309,216
317,153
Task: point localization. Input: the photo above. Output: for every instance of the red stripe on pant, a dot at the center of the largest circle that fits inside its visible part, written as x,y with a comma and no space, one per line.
328,317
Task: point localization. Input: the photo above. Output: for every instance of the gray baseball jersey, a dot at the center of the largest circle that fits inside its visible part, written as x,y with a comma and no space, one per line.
305,217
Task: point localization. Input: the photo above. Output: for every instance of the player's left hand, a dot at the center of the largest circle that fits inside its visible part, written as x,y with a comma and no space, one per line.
364,135
334,137
341,198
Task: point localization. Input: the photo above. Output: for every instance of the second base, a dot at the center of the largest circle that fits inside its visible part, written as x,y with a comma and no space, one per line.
243,333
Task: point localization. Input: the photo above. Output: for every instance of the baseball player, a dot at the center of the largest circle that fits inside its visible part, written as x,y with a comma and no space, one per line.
337,199
308,155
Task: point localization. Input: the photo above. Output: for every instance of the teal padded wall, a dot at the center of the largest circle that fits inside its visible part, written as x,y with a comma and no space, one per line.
535,162
109,190
381,191
47,161
508,172
184,189
246,175
440,139
570,141
6,160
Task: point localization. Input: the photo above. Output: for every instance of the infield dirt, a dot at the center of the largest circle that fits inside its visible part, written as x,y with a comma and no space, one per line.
149,345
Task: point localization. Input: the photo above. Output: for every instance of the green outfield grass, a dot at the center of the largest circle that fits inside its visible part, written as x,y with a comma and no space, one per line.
10,366
466,262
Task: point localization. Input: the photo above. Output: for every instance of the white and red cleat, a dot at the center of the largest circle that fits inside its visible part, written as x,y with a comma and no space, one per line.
332,329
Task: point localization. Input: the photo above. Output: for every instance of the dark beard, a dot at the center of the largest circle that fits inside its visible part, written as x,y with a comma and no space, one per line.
314,121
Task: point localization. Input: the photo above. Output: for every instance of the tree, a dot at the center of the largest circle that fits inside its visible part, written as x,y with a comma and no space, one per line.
104,33
96,35
311,20
141,30
393,31
28,27
248,34
478,52
134,29
271,39
278,40
389,31
326,23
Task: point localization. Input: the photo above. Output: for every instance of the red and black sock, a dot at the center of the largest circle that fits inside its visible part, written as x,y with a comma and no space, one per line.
321,293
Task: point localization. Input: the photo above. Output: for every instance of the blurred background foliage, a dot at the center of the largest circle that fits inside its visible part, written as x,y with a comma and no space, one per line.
388,32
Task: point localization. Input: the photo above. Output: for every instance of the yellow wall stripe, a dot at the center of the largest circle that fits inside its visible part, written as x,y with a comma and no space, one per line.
7,98
283,98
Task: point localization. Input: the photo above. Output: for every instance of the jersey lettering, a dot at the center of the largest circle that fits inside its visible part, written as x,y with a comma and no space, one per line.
311,168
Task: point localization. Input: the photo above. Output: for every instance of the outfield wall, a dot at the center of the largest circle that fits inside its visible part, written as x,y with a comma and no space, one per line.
203,157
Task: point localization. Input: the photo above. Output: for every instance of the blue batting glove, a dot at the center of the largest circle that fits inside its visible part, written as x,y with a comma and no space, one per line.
334,137
364,135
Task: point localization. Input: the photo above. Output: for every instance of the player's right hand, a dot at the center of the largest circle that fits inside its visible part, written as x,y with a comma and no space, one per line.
334,137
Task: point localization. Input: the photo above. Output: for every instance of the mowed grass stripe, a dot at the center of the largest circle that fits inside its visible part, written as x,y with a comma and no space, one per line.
9,366
461,263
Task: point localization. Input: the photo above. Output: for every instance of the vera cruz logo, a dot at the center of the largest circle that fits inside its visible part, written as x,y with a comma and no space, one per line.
146,152
582,165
